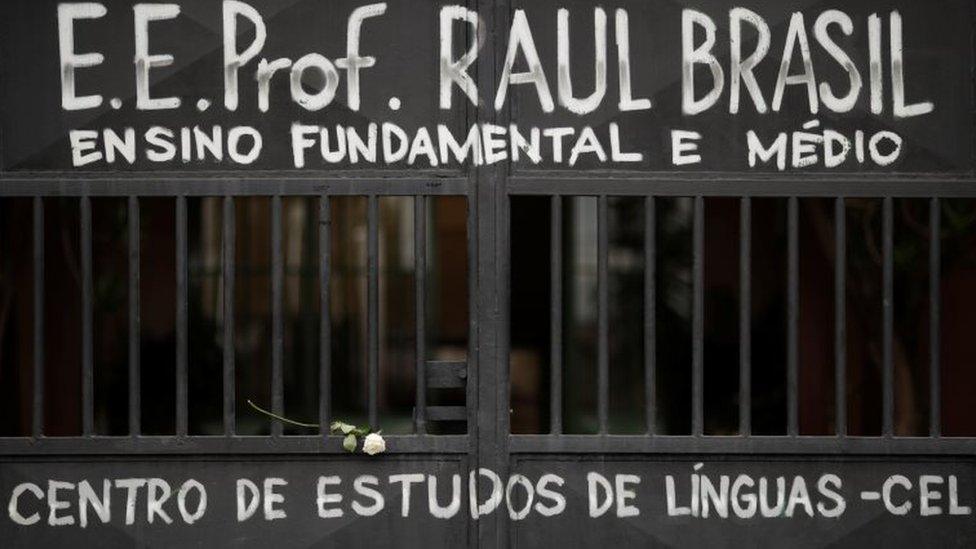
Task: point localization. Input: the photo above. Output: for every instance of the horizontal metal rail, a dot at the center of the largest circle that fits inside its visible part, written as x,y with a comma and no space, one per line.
596,185
576,184
518,444
150,187
820,445
198,445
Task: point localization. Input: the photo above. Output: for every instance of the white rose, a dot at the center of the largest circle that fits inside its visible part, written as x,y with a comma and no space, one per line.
374,444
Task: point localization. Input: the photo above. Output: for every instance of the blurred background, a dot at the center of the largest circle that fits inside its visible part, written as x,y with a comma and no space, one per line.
447,313
768,308
447,316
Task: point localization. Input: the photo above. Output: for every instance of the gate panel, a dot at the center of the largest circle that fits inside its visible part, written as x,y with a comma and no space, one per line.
254,502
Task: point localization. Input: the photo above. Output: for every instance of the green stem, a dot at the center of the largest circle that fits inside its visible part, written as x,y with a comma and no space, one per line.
280,418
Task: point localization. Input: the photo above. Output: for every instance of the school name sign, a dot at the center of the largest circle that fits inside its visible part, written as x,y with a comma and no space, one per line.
742,496
686,502
344,85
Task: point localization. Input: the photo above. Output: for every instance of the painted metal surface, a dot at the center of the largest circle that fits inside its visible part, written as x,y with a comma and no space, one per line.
36,163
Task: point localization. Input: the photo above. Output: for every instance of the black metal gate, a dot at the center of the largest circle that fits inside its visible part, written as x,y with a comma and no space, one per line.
487,441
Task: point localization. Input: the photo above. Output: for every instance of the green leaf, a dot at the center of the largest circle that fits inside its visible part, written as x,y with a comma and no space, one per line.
341,427
349,443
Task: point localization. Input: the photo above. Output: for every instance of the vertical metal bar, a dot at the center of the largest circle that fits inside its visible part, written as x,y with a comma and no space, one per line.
745,316
935,309
135,319
277,318
372,318
650,316
229,268
697,314
87,296
472,273
38,412
420,309
840,317
325,313
887,362
489,208
603,329
792,317
556,315
181,317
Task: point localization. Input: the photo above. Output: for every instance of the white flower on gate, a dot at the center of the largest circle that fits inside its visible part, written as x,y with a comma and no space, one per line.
374,444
